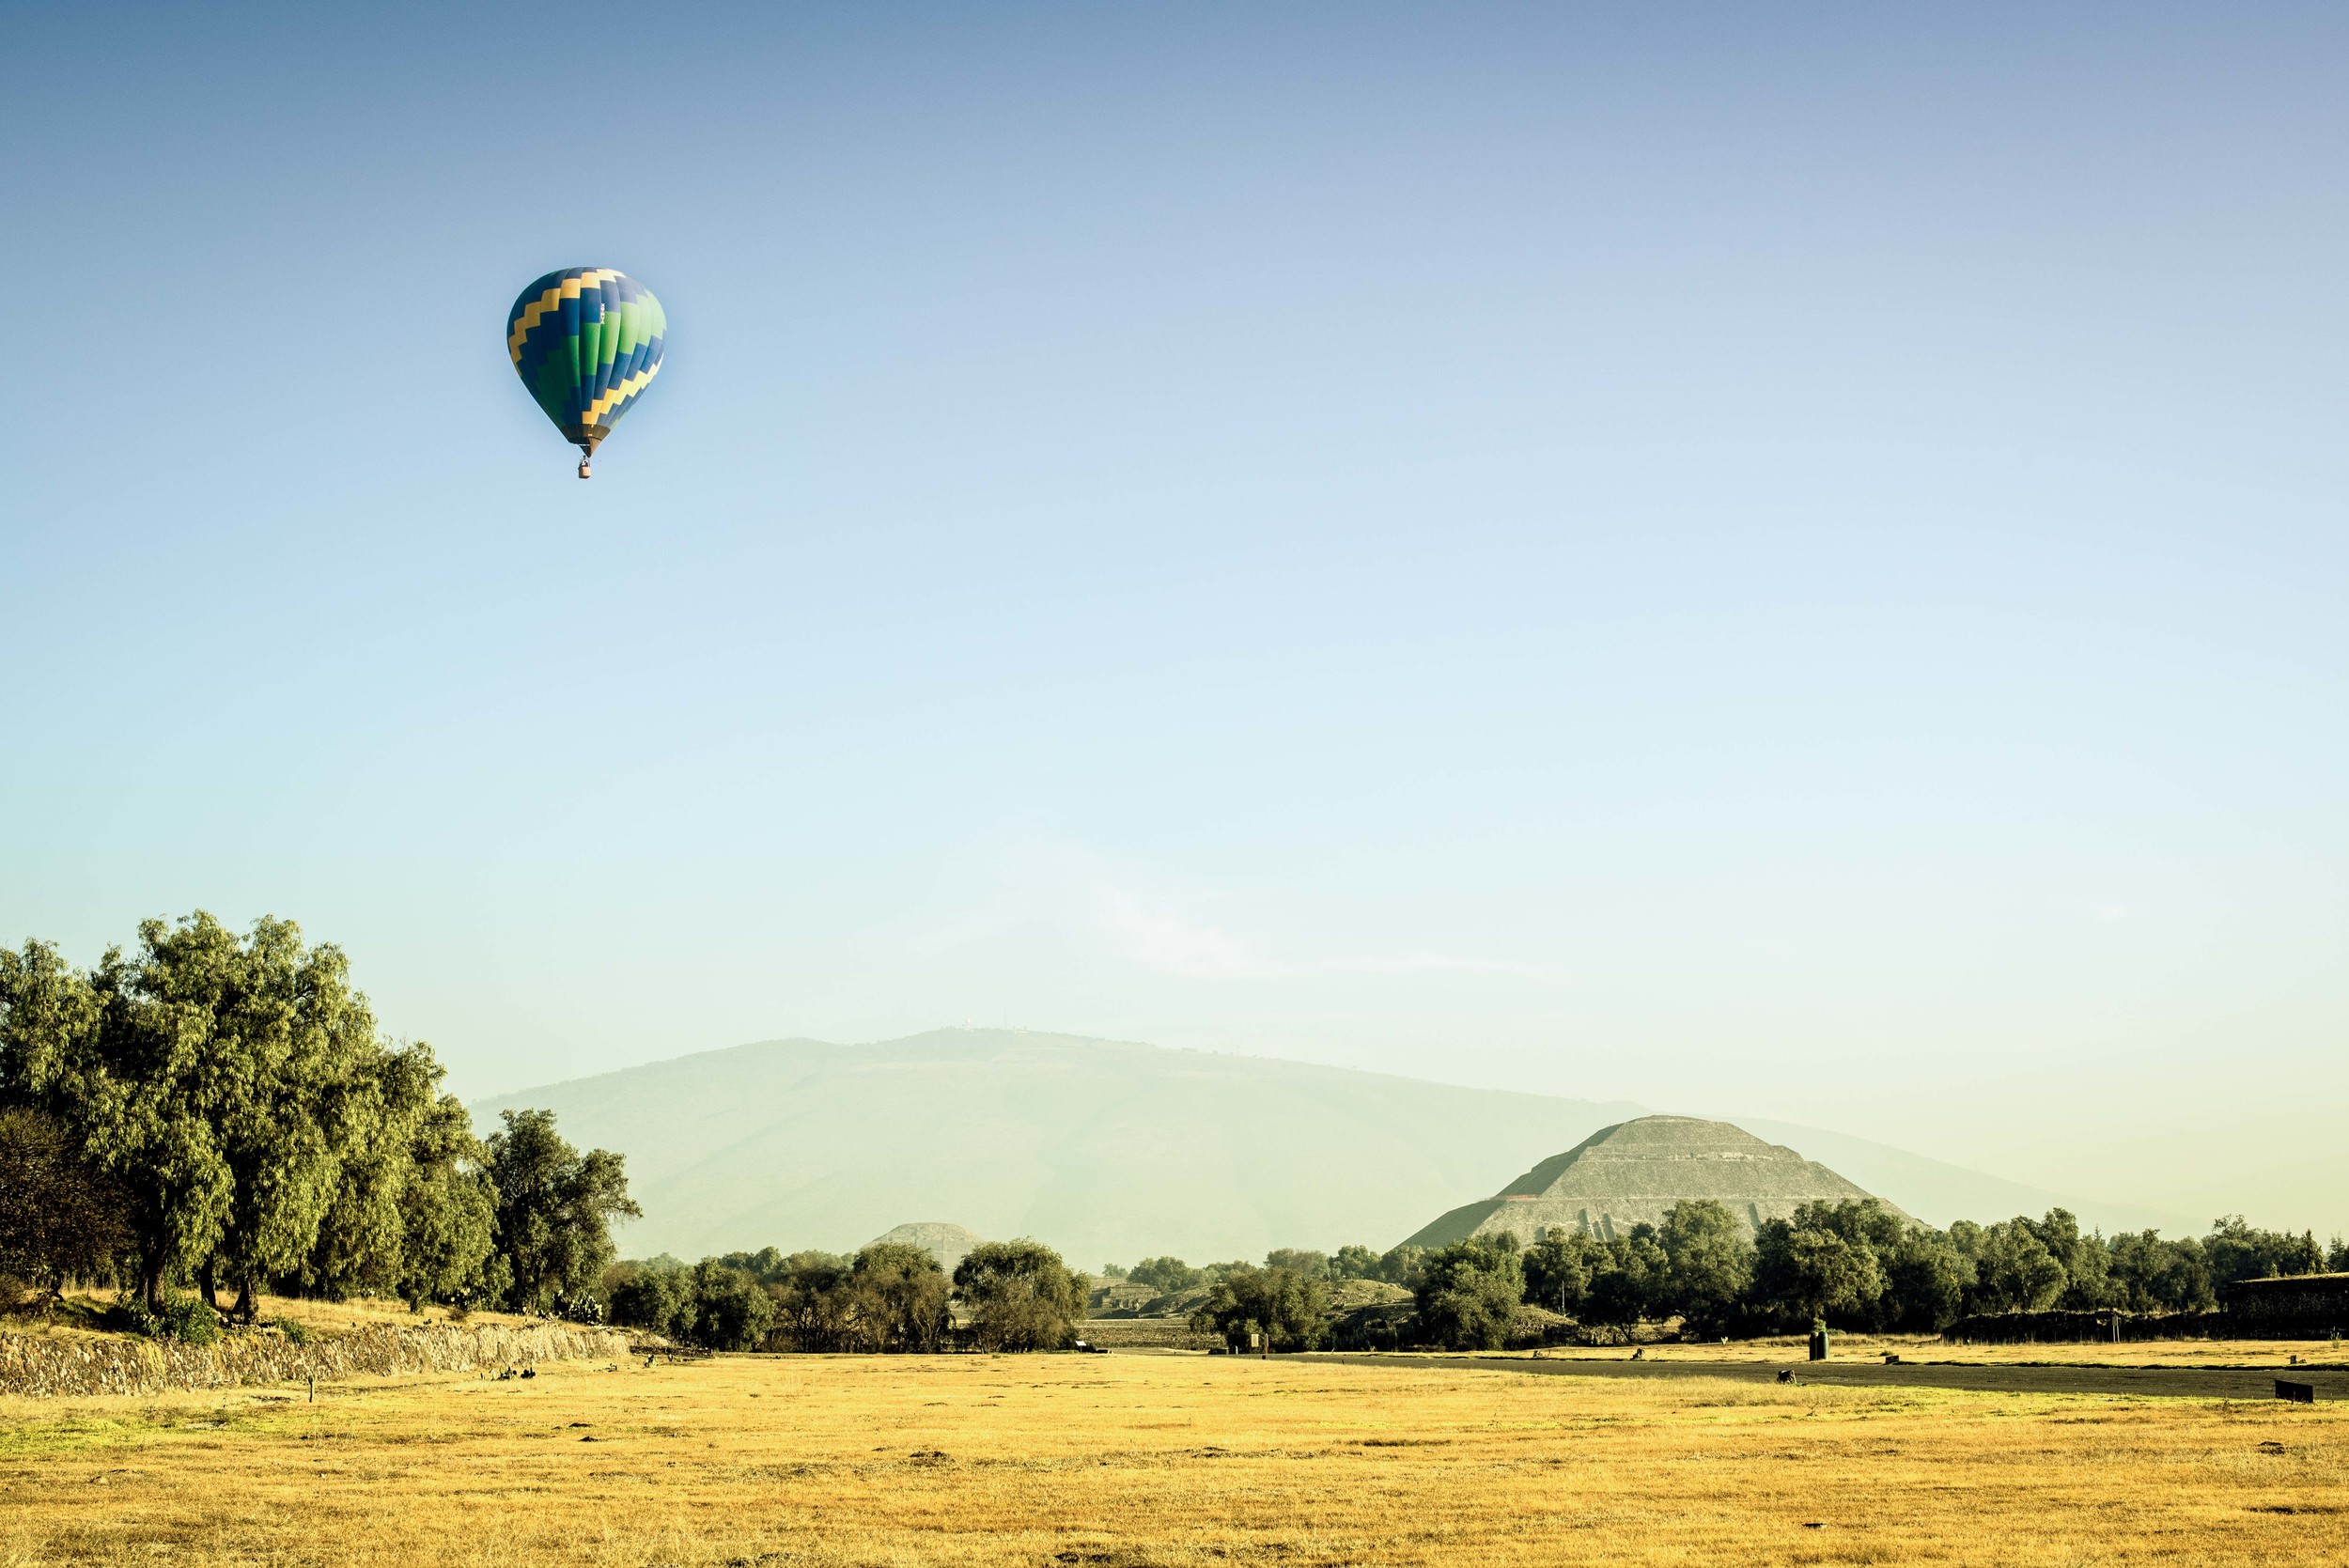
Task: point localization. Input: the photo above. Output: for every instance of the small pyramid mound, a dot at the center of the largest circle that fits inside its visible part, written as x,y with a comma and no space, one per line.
948,1244
1635,1172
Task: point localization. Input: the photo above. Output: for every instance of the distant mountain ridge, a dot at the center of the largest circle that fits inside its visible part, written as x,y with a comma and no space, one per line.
1107,1150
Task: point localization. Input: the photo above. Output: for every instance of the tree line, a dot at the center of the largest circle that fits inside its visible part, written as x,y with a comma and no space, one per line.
215,1112
1009,1296
212,1112
1849,1265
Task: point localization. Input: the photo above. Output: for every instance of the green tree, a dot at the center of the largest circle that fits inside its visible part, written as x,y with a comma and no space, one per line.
1469,1293
1284,1305
730,1311
205,1074
59,1219
1020,1296
236,1091
2149,1274
1806,1268
1863,1221
2085,1260
2238,1250
655,1296
2014,1271
1355,1262
1925,1280
1559,1267
1403,1266
900,1297
1708,1265
554,1211
288,1063
1630,1279
448,1213
127,1067
383,1109
814,1306
1165,1274
767,1265
1302,1262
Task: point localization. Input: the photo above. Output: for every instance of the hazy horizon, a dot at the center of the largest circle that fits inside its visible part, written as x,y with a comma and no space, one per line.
1106,1149
2105,1208
1786,563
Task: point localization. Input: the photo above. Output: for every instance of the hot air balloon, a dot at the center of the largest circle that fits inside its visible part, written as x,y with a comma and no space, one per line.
586,342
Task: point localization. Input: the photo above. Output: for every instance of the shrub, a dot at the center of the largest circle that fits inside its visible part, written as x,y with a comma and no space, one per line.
184,1318
187,1319
18,1294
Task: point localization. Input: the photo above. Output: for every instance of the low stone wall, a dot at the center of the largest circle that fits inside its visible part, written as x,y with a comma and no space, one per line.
1140,1333
54,1365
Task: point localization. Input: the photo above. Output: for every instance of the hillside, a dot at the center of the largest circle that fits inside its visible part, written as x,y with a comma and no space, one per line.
1108,1151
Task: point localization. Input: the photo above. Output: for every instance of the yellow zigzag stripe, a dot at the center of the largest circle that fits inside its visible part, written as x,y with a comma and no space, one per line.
567,289
620,393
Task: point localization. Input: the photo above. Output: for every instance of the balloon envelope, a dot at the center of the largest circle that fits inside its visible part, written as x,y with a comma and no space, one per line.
586,342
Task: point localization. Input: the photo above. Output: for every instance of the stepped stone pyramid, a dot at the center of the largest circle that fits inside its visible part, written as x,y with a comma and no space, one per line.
1634,1172
948,1244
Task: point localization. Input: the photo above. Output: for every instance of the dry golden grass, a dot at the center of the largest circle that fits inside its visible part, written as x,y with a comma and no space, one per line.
83,1308
1175,1460
363,1312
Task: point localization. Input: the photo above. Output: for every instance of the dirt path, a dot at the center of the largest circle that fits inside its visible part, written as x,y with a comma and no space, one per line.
2330,1383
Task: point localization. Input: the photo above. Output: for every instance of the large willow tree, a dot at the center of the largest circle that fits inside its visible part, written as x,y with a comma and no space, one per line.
238,1093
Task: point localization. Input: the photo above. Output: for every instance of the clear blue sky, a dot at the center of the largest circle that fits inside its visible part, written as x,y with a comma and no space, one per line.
1785,560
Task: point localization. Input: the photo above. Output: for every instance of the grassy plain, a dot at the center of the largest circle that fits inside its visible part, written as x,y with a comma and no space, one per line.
1129,1461
82,1312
